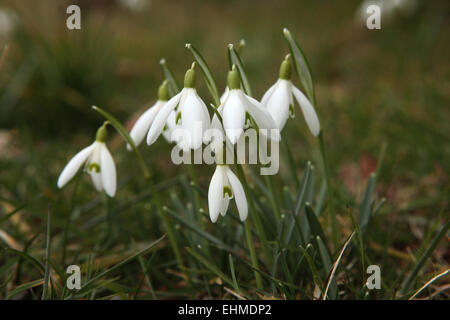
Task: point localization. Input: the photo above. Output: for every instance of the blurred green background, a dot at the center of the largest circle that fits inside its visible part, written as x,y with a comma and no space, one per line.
374,88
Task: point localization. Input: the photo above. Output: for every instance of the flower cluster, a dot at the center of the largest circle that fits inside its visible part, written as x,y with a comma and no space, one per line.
188,112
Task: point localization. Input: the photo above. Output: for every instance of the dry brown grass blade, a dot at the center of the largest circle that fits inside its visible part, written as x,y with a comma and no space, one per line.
336,264
234,293
430,282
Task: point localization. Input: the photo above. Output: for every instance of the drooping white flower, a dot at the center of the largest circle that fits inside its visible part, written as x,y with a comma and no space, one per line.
190,112
236,109
143,123
279,101
223,187
98,163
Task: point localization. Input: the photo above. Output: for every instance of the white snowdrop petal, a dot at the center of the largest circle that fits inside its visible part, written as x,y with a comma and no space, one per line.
96,180
277,105
308,111
108,171
238,193
224,206
140,128
194,118
161,118
224,95
74,165
268,93
233,116
215,194
170,126
260,115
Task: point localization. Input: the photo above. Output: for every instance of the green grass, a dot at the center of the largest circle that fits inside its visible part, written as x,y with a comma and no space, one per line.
382,98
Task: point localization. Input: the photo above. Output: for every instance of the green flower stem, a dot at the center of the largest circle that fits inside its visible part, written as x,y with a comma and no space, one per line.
197,205
273,199
257,222
253,257
330,190
69,219
170,233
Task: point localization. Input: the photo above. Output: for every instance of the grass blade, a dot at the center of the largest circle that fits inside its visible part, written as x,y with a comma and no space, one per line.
301,66
236,60
47,257
206,73
118,265
124,133
24,287
174,88
366,205
430,282
336,264
407,283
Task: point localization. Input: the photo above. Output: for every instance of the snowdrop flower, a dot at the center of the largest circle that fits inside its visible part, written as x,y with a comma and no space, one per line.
279,101
224,186
97,161
142,125
190,114
236,109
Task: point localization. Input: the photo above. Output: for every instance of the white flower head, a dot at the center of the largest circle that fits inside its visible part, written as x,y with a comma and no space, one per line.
143,123
279,101
188,111
237,108
98,163
223,187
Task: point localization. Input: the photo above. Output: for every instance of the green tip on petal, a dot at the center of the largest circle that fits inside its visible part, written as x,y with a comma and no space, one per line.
285,68
189,77
102,133
163,91
233,80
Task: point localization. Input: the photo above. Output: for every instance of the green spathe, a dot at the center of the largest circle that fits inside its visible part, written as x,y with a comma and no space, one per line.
102,133
163,91
189,77
285,69
233,79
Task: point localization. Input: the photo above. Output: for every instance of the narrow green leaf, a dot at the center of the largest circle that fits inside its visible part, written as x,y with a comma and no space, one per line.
206,73
233,274
236,60
407,283
299,201
315,226
124,133
199,231
47,257
366,204
211,266
24,287
301,66
118,265
174,88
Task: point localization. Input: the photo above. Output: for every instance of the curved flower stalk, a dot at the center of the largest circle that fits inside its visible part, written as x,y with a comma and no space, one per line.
98,163
190,114
236,109
279,101
223,187
143,123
